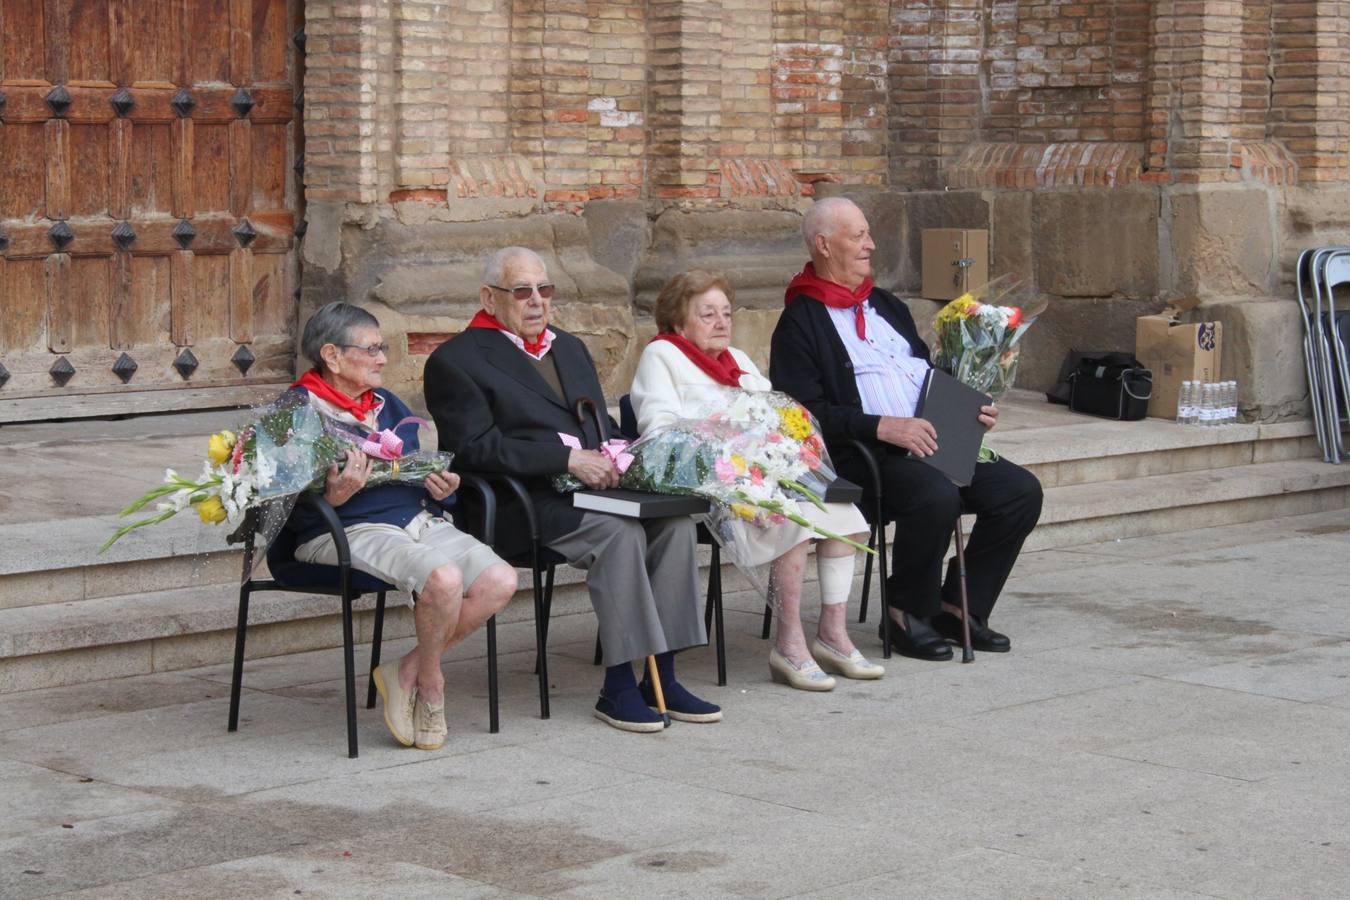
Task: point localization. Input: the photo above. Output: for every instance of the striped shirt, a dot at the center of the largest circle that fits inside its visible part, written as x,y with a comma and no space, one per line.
888,374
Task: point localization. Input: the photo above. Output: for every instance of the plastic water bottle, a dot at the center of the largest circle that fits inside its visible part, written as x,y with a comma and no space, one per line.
1209,404
1231,402
1186,403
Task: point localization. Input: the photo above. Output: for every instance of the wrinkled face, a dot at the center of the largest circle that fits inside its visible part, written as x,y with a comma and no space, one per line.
350,367
525,318
707,324
845,254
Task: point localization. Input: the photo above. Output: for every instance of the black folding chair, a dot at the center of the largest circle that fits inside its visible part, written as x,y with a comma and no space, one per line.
542,563
292,576
877,527
876,518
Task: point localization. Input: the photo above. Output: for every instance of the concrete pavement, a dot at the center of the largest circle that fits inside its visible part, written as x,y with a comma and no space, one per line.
1172,722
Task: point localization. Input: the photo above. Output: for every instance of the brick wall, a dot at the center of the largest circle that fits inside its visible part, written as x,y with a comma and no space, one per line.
340,70
705,103
1310,85
616,132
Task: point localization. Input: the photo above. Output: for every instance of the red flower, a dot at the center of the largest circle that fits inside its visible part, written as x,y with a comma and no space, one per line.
1014,316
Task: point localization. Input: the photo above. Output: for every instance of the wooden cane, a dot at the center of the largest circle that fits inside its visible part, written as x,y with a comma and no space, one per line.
656,689
967,652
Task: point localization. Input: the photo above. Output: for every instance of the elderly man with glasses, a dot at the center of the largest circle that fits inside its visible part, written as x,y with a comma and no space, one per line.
501,393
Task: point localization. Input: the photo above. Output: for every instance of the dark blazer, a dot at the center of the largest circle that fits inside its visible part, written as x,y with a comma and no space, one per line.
497,414
809,362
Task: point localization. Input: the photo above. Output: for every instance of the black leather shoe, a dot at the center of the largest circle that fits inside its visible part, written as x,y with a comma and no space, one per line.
982,637
917,640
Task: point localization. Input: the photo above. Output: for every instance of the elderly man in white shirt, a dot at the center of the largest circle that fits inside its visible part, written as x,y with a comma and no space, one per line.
850,352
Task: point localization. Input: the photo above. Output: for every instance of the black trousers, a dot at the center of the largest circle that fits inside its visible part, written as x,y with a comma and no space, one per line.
1006,501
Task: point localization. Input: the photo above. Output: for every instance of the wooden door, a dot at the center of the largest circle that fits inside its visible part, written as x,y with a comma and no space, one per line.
148,203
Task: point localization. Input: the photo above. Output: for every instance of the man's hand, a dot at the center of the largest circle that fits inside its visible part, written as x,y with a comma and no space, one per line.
593,468
340,486
915,435
441,484
989,416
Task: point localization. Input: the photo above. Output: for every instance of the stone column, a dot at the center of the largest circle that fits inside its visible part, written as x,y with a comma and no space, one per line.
1196,90
934,71
341,81
565,82
1310,72
617,124
685,99
422,97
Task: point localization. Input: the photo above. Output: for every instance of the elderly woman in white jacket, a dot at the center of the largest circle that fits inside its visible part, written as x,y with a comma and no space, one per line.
693,349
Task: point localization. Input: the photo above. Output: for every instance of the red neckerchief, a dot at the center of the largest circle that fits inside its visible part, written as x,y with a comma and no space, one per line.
808,284
485,319
721,368
359,407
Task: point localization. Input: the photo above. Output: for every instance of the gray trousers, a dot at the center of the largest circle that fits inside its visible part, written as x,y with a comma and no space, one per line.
643,580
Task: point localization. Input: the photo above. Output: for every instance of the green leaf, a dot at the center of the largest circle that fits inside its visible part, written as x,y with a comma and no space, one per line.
163,514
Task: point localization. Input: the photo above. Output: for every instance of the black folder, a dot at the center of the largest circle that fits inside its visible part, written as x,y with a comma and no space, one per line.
954,411
639,504
841,490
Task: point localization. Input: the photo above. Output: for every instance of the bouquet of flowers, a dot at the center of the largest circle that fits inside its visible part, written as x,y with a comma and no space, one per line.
755,454
977,338
286,449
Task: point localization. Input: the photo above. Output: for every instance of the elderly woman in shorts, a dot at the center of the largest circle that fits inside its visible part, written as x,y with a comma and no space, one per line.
397,531
693,349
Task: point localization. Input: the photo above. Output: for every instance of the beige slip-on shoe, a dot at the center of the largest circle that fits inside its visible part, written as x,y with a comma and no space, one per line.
398,703
854,665
806,677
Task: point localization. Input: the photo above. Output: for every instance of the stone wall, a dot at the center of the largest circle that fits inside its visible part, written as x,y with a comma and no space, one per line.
1121,154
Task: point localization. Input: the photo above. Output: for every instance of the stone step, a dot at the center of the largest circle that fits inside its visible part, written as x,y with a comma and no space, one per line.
160,631
154,631
1069,453
44,645
1161,504
165,598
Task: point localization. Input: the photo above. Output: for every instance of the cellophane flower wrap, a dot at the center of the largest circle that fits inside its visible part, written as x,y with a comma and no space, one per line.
754,454
978,335
286,447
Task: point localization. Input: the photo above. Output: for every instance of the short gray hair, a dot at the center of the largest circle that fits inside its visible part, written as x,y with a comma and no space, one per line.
820,219
332,323
496,264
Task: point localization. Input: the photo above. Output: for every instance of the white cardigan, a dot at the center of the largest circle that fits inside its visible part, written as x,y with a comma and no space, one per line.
664,370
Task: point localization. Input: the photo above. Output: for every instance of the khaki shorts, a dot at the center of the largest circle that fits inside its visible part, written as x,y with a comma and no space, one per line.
406,556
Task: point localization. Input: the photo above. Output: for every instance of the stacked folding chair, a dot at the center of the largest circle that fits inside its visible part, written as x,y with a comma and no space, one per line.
1326,334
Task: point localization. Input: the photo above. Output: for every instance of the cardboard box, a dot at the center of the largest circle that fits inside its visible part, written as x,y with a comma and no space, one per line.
1176,351
954,260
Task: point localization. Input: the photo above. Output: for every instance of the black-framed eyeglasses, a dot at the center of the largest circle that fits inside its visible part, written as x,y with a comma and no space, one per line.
526,291
372,350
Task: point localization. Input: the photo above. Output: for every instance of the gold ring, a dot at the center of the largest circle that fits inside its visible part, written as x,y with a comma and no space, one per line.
394,469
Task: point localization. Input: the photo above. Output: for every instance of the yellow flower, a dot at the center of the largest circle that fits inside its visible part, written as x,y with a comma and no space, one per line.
794,422
220,446
211,510
962,307
738,463
744,511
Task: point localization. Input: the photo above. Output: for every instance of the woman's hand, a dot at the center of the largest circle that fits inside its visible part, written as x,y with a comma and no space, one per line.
342,485
989,416
441,484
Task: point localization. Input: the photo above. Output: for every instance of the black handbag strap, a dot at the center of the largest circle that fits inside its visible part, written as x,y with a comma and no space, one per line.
1110,361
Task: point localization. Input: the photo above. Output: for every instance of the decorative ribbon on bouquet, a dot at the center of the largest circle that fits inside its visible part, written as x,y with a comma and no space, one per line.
386,444
615,450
